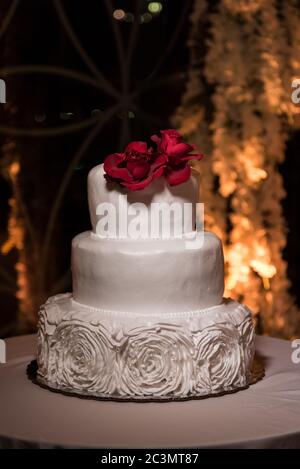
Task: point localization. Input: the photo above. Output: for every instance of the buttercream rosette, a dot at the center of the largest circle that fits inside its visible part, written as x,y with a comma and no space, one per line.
157,360
219,359
85,357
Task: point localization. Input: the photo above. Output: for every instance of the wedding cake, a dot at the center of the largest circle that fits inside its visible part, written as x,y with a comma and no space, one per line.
146,319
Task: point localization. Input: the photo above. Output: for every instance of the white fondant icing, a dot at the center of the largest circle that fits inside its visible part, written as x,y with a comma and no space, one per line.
147,276
123,355
147,319
158,192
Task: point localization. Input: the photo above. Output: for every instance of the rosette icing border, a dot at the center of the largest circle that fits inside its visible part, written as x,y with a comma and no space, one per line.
122,355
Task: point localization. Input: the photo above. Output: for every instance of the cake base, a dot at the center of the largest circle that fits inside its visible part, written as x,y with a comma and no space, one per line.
144,357
257,374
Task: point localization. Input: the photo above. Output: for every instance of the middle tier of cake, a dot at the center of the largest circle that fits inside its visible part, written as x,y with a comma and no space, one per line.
147,276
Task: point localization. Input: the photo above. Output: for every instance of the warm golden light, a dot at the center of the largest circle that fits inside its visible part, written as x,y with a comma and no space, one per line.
16,234
263,269
253,55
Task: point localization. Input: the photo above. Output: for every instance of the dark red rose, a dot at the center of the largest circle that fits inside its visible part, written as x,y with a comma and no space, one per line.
178,153
136,168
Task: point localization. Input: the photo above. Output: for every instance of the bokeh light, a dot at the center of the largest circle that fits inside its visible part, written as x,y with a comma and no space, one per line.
66,115
40,117
129,18
119,14
146,18
155,7
96,112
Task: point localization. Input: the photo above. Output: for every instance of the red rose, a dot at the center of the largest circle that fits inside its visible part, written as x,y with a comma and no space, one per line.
178,153
136,168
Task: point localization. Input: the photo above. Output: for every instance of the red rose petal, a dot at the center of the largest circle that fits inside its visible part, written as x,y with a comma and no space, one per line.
158,173
180,149
156,139
171,134
112,161
140,147
190,157
178,176
138,166
159,161
137,186
111,167
138,169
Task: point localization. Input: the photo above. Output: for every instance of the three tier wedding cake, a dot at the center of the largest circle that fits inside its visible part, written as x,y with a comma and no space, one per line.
147,318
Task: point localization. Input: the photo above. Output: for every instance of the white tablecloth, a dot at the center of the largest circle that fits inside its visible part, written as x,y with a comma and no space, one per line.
267,415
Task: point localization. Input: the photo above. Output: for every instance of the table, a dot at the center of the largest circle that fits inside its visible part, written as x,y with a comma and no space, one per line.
267,415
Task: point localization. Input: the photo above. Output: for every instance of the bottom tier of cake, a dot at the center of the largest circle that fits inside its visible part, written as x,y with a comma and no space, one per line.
123,355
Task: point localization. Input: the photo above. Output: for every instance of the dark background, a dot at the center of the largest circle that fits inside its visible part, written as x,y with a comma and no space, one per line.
64,126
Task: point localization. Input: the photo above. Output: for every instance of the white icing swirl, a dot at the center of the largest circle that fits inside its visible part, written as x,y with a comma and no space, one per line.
246,331
219,360
42,343
105,353
85,357
157,360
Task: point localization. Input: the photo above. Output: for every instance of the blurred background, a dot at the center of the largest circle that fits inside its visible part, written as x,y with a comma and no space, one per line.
84,78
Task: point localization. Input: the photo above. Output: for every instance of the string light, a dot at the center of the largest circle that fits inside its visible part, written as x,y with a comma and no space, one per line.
154,8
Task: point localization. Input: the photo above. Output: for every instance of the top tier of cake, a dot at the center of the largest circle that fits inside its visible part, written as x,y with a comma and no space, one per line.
158,211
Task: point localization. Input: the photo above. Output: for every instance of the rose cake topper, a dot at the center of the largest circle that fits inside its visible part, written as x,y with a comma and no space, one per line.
139,165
